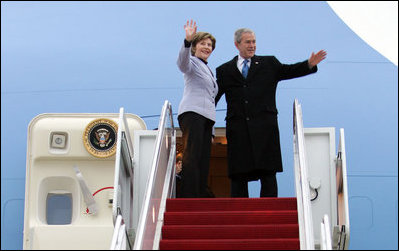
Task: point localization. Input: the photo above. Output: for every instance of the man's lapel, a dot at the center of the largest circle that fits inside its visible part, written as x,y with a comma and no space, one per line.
234,69
255,65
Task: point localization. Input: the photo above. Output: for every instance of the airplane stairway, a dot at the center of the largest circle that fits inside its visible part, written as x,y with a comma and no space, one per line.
231,223
144,215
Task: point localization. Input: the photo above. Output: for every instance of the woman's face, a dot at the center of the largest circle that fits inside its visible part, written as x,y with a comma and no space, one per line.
203,49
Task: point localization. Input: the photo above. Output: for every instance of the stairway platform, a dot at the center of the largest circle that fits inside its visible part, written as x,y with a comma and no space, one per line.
230,224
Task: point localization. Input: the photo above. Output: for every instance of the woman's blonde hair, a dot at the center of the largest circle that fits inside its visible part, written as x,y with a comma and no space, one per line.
199,36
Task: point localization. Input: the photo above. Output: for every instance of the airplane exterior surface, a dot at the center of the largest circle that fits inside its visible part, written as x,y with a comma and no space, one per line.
95,57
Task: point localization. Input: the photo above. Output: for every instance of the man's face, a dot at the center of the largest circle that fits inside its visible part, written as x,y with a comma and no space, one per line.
247,46
179,166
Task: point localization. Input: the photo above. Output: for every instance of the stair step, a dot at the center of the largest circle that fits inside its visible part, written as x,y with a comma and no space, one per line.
230,223
230,231
229,244
231,217
230,204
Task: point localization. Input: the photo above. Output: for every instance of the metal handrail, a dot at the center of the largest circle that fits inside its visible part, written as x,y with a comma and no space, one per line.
124,156
144,221
118,241
301,182
325,243
167,192
342,229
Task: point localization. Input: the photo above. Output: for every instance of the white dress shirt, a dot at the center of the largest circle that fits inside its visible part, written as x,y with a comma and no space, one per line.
240,63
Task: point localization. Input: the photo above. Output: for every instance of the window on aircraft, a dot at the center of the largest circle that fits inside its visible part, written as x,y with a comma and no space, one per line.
59,209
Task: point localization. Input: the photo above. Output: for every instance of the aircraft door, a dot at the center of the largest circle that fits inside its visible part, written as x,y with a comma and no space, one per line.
70,171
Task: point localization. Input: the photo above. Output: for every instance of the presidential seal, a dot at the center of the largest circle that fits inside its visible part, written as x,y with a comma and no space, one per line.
99,138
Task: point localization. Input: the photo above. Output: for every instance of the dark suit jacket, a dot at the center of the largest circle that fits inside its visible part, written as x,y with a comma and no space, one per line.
251,121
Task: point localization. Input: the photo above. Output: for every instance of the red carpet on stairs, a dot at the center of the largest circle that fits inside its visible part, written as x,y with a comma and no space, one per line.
230,223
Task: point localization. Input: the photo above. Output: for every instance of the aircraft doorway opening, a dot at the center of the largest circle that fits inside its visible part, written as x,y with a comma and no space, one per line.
218,181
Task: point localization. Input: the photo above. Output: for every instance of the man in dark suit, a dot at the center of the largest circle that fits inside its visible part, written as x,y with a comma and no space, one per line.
249,83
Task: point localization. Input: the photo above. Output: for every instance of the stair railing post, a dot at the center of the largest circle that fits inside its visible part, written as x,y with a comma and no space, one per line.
302,183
